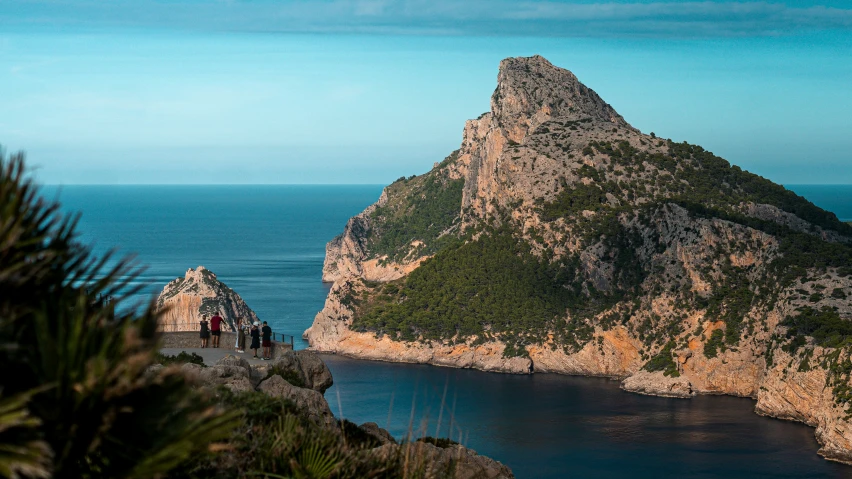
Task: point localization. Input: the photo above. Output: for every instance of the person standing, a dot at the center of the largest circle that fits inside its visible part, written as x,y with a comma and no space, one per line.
241,337
216,329
205,333
255,338
267,341
237,327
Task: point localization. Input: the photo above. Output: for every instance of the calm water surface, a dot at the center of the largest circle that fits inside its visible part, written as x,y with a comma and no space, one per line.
268,244
265,242
553,426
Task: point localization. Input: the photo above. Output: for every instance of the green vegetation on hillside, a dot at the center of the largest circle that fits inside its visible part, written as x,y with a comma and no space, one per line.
664,361
715,174
495,287
688,173
422,208
492,288
574,200
709,187
714,344
824,325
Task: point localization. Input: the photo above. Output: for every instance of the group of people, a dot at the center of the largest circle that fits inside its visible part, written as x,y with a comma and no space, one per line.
261,336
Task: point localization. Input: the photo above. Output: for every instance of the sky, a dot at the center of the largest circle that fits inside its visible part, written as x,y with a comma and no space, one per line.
332,91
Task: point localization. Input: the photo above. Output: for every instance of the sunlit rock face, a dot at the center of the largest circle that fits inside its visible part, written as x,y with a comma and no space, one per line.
185,300
687,275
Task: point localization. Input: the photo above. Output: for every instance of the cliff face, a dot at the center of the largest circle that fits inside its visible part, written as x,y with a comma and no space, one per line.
185,300
559,238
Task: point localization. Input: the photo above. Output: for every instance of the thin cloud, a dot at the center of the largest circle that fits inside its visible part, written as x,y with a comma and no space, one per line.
436,17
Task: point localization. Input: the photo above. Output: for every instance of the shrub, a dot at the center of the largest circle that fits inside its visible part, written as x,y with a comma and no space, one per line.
825,326
664,361
275,440
714,344
182,358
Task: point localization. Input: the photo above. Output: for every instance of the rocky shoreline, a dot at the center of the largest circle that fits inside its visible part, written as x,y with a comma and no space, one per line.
301,377
782,392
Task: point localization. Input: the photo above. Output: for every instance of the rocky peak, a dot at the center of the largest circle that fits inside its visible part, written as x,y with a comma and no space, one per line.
531,91
184,301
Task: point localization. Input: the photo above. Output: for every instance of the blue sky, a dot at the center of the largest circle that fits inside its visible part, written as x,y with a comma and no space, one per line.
366,91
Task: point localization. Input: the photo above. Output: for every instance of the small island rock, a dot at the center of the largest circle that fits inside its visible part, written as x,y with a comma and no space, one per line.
185,300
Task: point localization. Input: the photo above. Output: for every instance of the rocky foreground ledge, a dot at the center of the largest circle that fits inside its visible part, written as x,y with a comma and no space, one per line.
301,377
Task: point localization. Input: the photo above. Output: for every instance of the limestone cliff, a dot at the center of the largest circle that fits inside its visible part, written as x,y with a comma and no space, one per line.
185,300
559,238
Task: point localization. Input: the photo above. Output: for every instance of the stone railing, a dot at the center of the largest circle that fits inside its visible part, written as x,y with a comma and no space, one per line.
190,340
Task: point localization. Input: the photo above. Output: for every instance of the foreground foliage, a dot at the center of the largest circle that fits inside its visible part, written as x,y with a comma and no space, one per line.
76,396
274,440
79,400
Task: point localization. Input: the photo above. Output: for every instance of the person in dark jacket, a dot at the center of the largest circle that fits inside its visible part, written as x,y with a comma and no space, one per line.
255,338
266,332
205,333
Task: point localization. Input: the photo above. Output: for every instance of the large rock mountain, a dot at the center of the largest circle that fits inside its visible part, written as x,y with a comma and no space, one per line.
185,300
559,238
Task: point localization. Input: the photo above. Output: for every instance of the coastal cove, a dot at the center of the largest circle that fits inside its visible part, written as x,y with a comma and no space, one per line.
557,426
268,243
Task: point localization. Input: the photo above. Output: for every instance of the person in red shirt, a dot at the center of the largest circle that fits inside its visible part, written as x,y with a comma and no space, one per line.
216,329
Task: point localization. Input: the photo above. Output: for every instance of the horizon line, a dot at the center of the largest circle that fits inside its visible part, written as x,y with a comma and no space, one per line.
213,184
322,184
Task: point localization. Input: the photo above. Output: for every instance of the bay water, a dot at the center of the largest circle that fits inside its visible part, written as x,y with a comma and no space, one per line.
268,244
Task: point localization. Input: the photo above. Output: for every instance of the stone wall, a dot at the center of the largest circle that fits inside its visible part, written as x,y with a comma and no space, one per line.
190,340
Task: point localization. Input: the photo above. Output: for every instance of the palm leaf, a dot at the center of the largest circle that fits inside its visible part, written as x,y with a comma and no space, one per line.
22,454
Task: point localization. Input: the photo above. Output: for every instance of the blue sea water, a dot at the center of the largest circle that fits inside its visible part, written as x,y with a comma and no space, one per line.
268,244
265,242
834,198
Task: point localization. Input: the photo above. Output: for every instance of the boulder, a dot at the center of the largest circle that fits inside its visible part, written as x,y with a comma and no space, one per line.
153,370
235,361
230,371
454,461
192,371
309,402
657,384
381,435
310,369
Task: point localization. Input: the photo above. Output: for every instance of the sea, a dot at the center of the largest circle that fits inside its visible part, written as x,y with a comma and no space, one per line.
268,243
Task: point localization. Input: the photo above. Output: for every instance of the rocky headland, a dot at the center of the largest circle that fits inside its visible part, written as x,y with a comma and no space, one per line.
559,238
184,301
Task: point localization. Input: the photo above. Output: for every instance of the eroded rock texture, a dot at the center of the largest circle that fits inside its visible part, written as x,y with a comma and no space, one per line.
185,300
621,254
